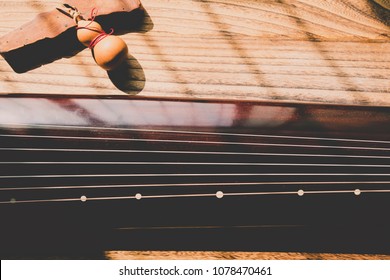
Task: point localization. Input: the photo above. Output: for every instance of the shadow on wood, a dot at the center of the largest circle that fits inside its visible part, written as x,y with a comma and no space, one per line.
381,12
129,77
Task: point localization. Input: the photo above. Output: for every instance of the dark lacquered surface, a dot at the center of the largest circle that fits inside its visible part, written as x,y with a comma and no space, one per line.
117,112
109,150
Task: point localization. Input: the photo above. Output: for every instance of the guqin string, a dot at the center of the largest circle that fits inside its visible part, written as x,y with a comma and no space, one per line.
300,186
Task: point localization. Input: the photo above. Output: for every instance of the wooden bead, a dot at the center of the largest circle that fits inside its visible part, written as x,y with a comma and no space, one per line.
87,31
110,52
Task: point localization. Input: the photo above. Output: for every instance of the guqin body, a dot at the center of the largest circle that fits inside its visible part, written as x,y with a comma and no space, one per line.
117,173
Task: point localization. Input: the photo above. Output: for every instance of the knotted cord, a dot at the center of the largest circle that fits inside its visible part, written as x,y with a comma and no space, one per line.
102,34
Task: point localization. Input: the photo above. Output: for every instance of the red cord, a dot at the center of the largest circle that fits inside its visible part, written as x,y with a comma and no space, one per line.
102,34
99,37
93,14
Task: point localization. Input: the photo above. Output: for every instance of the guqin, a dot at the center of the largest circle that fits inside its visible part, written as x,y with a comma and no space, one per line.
147,173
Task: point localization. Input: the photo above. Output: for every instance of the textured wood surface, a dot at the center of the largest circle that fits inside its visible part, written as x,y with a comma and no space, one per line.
190,255
332,51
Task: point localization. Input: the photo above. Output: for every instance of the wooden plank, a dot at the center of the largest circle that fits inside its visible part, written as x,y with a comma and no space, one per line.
295,50
215,255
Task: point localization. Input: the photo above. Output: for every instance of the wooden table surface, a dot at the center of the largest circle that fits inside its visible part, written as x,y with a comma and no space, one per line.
332,51
215,255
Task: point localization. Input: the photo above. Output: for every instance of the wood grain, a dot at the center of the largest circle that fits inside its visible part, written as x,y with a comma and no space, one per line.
215,255
295,50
